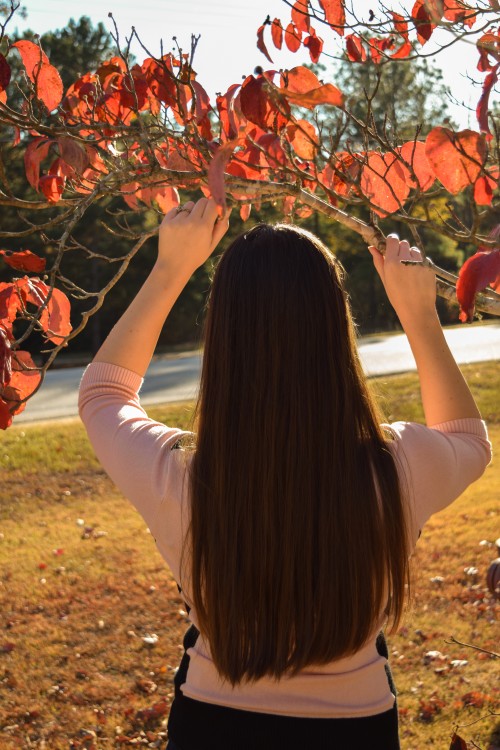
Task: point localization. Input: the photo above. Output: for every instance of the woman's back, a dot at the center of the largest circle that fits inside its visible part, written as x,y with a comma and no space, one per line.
289,527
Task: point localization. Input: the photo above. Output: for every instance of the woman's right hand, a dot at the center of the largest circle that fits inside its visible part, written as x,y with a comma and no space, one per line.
411,289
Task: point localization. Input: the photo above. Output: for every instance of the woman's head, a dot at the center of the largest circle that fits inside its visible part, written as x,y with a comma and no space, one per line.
277,300
286,528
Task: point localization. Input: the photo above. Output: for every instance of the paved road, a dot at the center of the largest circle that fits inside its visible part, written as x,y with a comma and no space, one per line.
176,378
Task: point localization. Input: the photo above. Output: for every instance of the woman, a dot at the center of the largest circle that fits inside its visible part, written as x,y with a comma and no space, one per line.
290,524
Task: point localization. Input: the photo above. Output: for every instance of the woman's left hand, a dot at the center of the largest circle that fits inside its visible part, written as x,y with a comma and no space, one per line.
189,234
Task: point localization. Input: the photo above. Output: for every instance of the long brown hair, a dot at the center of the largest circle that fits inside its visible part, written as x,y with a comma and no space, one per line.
298,537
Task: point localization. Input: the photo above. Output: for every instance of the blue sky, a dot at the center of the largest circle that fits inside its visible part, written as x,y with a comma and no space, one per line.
227,48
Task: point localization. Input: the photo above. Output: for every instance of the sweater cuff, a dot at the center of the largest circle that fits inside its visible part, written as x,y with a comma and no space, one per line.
469,425
103,373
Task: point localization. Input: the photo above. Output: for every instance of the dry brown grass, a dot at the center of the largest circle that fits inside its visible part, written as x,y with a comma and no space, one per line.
76,601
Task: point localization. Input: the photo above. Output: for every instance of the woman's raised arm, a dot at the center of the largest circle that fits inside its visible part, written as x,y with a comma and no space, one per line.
411,290
187,238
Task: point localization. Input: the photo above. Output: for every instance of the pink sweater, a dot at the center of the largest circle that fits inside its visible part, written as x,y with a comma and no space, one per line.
437,464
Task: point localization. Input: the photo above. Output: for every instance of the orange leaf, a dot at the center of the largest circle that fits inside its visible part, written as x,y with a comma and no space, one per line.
23,260
300,17
35,153
165,197
384,181
400,25
303,138
292,37
49,87
216,169
25,375
33,57
334,14
483,190
456,11
52,186
245,210
261,45
277,33
456,158
304,89
413,153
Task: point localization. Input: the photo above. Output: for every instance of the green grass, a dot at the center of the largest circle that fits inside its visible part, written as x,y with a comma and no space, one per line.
76,601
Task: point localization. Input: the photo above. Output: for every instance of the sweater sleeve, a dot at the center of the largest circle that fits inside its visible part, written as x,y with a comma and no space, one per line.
135,451
438,463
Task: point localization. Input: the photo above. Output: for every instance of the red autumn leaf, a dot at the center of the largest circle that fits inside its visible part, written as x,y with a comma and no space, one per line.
257,106
35,153
341,175
378,47
300,16
414,154
165,197
245,210
277,33
315,46
482,110
354,48
403,51
52,186
5,73
59,310
5,415
292,37
384,181
303,137
49,87
25,378
227,115
422,20
33,57
55,318
488,44
456,158
10,302
479,271
5,358
302,87
400,25
483,190
457,743
261,45
476,699
157,711
216,168
24,260
73,154
334,14
300,80
456,11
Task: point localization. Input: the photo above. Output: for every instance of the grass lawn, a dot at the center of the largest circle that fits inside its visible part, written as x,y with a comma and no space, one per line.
82,587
